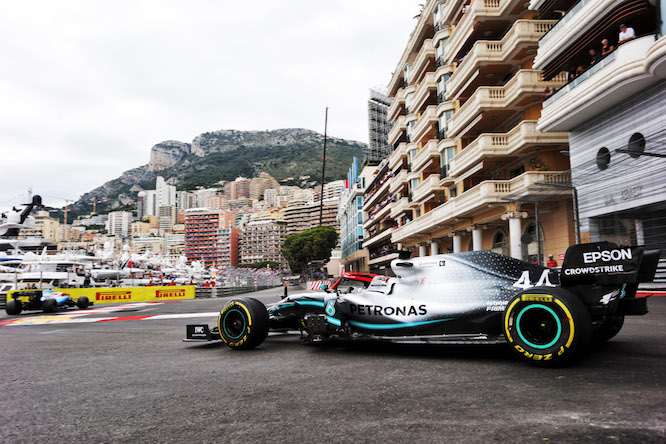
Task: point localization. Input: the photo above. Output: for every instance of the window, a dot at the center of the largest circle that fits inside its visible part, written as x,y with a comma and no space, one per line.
443,123
500,243
447,155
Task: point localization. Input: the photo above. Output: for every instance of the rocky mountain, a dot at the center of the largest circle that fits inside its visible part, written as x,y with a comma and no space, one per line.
225,155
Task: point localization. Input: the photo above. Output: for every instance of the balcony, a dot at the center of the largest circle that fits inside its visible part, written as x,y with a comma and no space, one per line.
399,207
471,202
378,238
426,188
428,152
590,21
425,93
490,106
632,67
396,183
421,31
383,259
425,55
492,59
426,124
398,105
522,137
399,129
398,156
477,20
371,199
376,214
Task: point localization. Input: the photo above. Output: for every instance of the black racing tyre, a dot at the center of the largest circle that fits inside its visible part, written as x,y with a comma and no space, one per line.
243,323
49,305
608,328
547,325
14,307
82,302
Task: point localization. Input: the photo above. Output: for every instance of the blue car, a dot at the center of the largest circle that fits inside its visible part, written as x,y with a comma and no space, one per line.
48,301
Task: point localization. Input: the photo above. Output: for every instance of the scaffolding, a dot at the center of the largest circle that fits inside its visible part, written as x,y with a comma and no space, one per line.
378,128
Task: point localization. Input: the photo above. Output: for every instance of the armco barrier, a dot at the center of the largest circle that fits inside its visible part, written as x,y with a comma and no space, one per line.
221,292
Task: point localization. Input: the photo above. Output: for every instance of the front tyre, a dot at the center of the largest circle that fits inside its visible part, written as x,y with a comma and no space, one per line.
243,323
83,302
546,325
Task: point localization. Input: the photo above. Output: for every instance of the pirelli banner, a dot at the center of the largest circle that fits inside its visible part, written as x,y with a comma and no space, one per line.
131,294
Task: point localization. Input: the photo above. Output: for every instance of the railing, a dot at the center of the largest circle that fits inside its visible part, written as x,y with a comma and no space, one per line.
441,27
563,21
601,64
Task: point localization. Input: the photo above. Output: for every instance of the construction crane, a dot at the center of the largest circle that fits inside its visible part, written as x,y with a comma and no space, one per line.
67,202
94,204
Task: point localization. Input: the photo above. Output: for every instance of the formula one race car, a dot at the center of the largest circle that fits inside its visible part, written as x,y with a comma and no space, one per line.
47,300
480,297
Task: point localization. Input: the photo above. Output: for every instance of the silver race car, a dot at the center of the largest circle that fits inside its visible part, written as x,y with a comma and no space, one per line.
546,316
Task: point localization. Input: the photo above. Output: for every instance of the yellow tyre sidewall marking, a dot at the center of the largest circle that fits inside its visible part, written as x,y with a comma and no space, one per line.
249,323
506,320
534,297
571,322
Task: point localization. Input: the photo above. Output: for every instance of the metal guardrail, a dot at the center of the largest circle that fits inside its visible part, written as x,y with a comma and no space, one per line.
222,292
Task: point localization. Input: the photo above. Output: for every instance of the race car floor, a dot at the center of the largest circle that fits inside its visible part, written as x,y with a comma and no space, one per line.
122,374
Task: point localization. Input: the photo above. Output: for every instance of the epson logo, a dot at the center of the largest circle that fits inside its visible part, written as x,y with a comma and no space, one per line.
607,256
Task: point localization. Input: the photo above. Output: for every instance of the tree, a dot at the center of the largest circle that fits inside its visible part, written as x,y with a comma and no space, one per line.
315,244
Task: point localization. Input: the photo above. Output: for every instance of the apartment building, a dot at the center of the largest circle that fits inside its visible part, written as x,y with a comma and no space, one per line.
613,109
262,239
469,169
350,217
210,237
118,223
305,216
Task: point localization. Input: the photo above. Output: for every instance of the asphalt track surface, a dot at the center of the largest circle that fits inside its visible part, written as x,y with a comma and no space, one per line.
134,380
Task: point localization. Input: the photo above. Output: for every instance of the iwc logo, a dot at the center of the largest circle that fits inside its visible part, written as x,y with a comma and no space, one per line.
330,308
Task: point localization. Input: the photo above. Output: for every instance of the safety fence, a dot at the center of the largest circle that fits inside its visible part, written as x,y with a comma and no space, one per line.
221,292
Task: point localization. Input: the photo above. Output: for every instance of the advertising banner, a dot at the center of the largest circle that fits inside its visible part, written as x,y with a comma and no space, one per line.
129,294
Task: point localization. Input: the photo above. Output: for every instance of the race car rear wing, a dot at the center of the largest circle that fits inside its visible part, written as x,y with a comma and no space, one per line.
605,263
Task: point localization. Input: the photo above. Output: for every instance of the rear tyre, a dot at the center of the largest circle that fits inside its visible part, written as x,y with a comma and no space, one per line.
607,329
49,305
83,302
547,325
243,323
14,307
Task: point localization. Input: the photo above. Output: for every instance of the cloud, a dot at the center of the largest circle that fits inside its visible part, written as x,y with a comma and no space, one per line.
90,86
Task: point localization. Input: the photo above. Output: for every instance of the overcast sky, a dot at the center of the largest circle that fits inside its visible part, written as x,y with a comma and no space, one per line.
88,87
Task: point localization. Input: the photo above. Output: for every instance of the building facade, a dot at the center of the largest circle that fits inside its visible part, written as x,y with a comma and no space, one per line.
303,217
469,169
613,108
353,257
118,223
210,237
262,239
